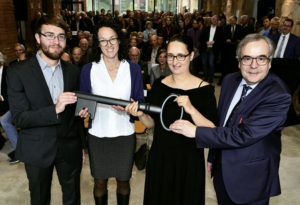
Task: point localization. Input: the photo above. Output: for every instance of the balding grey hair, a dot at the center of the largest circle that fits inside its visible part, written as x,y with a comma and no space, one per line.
133,47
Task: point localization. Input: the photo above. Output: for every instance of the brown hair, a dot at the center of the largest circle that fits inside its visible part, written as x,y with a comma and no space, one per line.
51,20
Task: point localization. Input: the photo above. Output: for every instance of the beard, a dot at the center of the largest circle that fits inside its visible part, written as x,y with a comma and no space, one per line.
53,55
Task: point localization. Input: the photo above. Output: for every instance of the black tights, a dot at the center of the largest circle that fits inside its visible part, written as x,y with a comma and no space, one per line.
100,187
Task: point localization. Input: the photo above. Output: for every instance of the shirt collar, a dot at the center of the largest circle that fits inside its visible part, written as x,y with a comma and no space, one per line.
286,35
243,82
43,63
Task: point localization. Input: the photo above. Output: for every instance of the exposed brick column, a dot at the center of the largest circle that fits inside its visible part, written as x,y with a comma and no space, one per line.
8,29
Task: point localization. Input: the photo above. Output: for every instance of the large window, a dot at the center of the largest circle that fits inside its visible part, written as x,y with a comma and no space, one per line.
143,5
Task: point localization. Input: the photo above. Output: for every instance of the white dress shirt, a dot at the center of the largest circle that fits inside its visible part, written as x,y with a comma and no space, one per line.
212,33
1,71
237,97
284,45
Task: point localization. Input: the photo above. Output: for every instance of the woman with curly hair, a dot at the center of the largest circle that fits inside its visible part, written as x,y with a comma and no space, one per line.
111,134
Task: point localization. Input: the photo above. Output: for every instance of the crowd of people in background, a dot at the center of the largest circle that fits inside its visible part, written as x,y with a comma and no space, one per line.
151,31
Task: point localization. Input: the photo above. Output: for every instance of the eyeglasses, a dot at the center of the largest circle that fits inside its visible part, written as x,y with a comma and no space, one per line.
179,57
260,60
112,41
52,36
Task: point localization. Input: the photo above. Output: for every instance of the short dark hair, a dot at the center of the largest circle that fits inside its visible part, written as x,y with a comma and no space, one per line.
123,48
289,20
185,40
160,51
51,20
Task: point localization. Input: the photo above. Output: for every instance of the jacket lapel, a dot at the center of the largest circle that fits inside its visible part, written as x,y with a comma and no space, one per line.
228,96
65,76
38,75
251,99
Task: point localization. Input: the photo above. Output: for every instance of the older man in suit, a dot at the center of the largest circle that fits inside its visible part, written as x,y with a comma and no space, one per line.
232,35
247,143
287,44
211,42
3,93
42,105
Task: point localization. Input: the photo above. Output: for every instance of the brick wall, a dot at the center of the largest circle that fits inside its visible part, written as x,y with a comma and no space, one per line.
8,31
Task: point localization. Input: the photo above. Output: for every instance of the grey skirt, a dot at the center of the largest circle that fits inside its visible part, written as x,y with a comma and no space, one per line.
111,157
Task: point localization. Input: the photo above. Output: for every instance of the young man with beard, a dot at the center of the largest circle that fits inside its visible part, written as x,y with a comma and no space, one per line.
42,105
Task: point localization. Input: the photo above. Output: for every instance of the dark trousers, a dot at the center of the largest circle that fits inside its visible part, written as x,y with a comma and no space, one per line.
40,181
208,63
222,196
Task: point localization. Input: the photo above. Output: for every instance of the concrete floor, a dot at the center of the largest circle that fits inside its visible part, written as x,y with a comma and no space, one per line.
14,184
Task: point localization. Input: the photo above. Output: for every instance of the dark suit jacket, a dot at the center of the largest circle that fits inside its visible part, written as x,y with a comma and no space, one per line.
4,104
42,130
218,38
250,145
238,33
292,50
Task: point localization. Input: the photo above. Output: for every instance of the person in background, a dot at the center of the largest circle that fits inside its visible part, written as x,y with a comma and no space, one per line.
148,29
161,42
180,26
287,44
274,32
132,42
266,25
20,53
111,134
135,56
168,30
76,57
3,93
211,42
66,57
86,51
6,119
162,69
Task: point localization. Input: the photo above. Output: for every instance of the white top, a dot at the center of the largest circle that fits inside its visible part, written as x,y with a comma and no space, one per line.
212,33
153,55
109,122
237,97
284,45
1,71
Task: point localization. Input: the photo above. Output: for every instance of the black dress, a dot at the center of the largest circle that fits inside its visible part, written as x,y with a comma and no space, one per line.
175,172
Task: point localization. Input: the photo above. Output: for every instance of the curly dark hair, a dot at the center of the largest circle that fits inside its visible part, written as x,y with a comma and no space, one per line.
122,53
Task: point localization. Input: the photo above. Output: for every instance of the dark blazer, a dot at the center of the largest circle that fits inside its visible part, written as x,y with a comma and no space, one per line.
292,50
250,145
238,33
4,104
218,38
42,130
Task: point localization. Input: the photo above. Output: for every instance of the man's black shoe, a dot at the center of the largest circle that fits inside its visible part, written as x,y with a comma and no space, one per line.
14,161
11,155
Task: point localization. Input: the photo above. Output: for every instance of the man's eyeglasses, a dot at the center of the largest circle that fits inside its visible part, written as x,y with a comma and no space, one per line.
260,60
179,57
112,41
52,36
